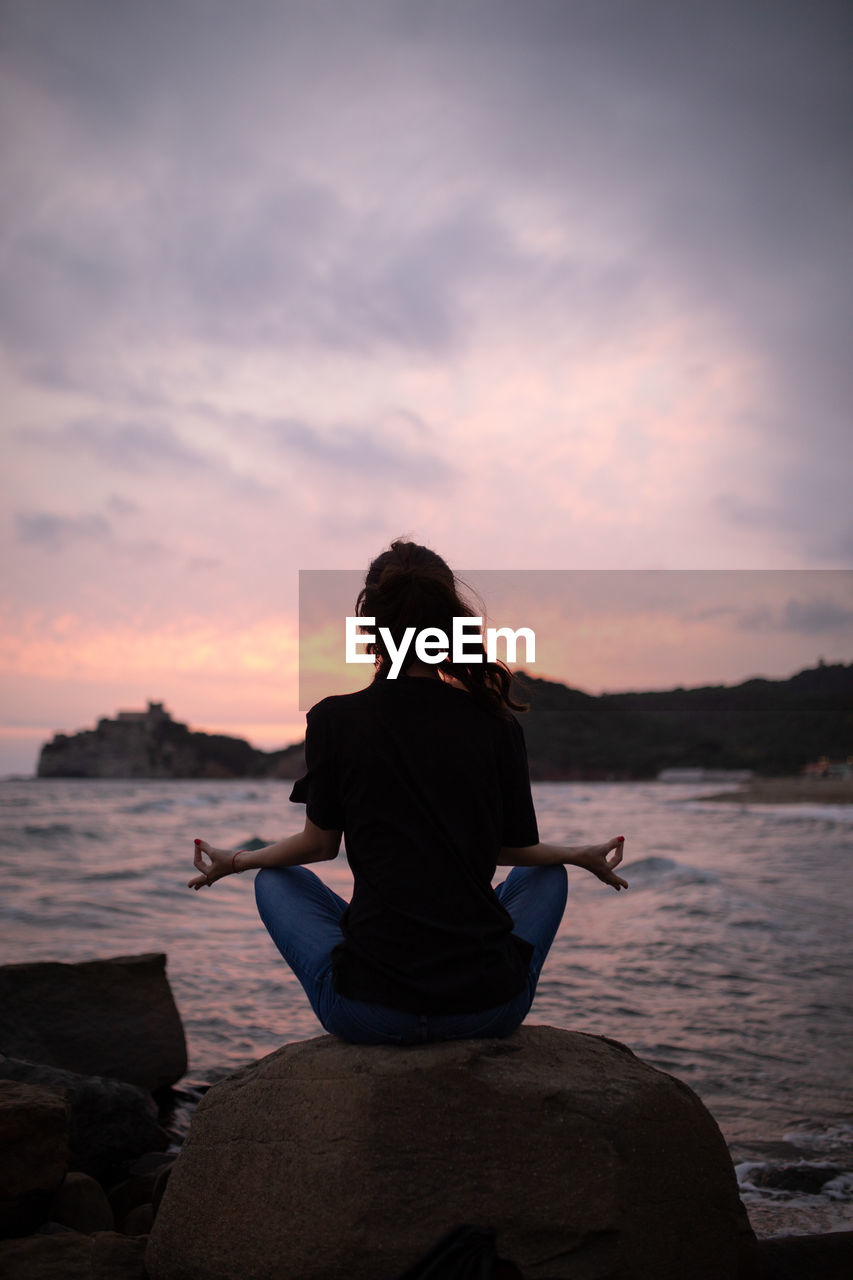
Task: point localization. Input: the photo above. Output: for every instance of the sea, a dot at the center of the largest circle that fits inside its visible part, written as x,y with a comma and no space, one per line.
726,963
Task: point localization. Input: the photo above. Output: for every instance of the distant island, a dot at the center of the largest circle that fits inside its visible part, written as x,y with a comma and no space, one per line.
768,727
150,744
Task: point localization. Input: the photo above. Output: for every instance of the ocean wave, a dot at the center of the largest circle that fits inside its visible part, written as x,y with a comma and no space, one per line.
812,1191
829,814
840,1188
94,876
752,922
655,870
149,806
821,1139
810,1195
59,831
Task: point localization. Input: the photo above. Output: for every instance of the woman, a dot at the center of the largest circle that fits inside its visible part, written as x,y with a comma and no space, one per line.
426,775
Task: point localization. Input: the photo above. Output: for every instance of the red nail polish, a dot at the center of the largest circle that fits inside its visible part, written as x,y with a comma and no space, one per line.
197,841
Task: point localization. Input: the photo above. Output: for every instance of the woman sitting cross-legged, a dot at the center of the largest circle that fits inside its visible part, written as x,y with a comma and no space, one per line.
425,776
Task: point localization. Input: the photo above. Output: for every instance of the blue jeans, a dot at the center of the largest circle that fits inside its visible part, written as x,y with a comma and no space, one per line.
302,915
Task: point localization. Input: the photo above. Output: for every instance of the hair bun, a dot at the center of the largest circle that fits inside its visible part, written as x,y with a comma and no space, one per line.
398,575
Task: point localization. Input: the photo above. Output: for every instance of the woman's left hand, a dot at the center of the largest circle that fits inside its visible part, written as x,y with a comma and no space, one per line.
212,863
602,859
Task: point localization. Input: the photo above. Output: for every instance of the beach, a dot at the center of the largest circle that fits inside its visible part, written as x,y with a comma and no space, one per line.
792,790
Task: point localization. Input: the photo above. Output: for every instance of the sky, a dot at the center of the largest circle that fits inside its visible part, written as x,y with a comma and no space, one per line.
549,285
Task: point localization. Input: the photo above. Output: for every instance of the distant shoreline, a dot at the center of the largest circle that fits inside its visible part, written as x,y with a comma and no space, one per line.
795,790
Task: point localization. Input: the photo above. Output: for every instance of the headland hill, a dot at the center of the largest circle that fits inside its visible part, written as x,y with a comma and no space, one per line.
765,728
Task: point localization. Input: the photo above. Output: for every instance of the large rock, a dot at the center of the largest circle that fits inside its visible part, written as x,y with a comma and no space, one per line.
33,1153
113,1017
112,1123
328,1160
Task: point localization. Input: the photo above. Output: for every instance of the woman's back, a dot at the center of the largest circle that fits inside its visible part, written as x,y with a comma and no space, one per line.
427,786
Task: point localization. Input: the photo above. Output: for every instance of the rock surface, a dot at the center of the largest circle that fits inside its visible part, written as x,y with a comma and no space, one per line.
336,1160
114,1017
34,1126
112,1122
71,1256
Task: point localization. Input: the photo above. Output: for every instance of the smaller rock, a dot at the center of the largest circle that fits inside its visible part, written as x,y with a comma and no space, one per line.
34,1125
145,1185
805,1178
111,1123
114,1017
139,1221
81,1203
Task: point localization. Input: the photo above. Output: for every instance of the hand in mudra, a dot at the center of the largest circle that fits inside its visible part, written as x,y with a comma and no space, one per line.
212,863
601,859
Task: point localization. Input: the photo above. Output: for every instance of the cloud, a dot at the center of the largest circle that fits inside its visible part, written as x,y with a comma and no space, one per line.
120,506
55,532
140,450
795,494
287,266
398,235
135,446
204,564
360,450
401,448
811,616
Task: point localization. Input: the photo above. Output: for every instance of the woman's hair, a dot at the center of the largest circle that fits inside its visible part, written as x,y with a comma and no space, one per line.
410,586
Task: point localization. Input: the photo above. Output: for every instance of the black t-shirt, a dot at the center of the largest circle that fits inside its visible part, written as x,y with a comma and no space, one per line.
427,787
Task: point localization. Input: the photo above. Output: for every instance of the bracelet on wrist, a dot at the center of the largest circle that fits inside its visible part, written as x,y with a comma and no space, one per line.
234,866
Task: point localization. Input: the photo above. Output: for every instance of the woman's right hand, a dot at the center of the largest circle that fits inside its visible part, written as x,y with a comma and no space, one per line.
212,863
601,859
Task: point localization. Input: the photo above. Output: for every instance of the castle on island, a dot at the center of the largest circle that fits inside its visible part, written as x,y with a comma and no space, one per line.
150,744
155,714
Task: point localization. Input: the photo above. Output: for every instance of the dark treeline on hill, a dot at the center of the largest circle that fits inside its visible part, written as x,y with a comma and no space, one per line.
768,726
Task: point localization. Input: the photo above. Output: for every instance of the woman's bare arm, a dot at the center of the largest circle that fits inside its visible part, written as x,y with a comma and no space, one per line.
312,844
600,859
